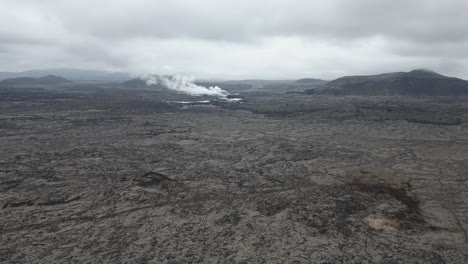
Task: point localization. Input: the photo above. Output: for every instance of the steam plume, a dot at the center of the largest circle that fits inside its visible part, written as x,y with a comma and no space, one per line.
183,84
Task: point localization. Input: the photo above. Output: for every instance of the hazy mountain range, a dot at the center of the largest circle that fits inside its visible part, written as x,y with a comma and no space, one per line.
413,83
71,74
45,80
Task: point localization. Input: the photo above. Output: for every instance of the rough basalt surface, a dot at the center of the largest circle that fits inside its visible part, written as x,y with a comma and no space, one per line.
102,175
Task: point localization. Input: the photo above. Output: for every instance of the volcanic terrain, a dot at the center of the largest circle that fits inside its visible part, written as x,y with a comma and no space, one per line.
105,174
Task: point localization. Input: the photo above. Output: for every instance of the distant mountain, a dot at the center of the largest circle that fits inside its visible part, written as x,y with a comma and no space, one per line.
309,81
134,83
45,80
138,83
260,85
71,74
413,83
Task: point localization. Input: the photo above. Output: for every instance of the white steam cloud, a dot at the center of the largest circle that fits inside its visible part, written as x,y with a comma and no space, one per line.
183,84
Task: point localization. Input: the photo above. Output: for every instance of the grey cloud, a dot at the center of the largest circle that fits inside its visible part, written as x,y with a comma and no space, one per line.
9,38
93,52
447,50
262,38
422,21
455,68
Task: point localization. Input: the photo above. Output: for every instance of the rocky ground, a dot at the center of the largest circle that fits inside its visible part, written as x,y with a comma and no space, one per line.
114,176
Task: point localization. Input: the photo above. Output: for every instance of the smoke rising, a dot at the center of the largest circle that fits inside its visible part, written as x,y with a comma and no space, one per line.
183,84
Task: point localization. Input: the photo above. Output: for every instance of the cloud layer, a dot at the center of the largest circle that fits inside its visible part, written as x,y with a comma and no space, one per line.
236,39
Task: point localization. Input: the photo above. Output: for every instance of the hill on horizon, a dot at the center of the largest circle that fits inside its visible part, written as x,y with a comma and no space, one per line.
138,83
310,80
413,83
71,74
44,80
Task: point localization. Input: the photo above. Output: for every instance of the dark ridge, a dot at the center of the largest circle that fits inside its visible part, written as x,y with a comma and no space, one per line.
139,83
413,83
134,83
70,74
309,80
45,80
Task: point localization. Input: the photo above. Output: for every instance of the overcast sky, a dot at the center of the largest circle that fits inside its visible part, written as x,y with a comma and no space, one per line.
236,39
